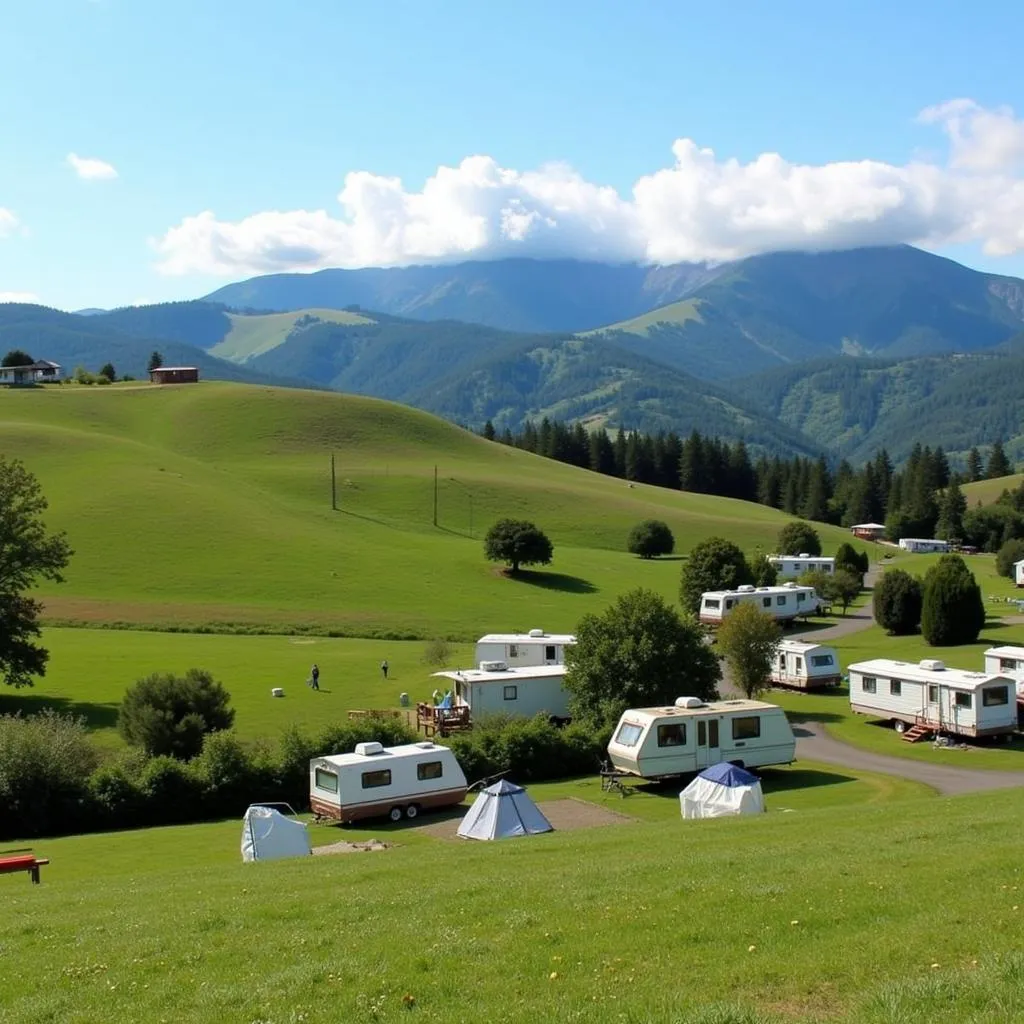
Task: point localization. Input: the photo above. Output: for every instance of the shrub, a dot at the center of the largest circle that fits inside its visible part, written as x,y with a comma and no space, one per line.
107,370
1012,551
45,763
517,542
116,793
172,791
651,538
843,586
952,611
848,558
168,714
748,638
714,564
799,538
897,602
765,574
230,774
437,653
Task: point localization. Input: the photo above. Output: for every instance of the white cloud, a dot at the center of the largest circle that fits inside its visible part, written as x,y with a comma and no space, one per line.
8,222
701,208
19,297
90,168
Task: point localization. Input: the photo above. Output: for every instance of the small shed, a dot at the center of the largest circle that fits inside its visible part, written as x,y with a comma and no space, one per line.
1018,573
868,531
174,375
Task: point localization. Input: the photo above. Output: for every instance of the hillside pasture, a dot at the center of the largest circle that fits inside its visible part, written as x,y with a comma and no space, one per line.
253,334
986,492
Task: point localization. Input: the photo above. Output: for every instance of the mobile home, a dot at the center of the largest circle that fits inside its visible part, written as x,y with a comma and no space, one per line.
920,546
868,531
377,780
660,742
933,697
791,566
785,602
516,649
805,665
1018,573
1007,661
497,688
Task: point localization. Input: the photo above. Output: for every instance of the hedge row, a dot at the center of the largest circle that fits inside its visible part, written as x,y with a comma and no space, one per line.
53,781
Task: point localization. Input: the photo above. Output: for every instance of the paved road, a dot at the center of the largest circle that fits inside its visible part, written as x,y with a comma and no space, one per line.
814,744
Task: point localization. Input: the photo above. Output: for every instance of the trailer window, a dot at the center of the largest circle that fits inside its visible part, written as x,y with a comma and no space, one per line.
549,652
933,694
821,660
780,600
326,780
766,601
728,602
712,602
963,700
747,728
895,688
372,780
429,770
993,695
673,735
511,693
513,650
868,684
800,597
629,734
1007,664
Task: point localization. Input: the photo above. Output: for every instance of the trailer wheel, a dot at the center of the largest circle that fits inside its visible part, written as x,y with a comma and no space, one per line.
900,727
412,810
395,814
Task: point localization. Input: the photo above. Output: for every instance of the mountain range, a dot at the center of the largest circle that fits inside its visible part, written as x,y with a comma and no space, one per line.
794,352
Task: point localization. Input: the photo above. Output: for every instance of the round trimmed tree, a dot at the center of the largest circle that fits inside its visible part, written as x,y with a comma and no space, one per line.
714,564
639,652
517,542
651,538
952,611
799,538
897,602
1009,554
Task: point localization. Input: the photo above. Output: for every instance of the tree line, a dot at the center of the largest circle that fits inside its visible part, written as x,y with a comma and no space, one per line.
921,499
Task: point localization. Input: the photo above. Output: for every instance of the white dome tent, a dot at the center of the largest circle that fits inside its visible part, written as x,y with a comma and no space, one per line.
501,811
720,791
267,834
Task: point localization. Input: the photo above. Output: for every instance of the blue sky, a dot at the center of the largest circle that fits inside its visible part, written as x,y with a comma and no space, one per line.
253,114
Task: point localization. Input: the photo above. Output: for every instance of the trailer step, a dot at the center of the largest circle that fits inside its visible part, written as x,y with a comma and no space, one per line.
916,733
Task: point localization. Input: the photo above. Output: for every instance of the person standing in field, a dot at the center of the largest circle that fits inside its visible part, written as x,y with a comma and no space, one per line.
314,677
384,668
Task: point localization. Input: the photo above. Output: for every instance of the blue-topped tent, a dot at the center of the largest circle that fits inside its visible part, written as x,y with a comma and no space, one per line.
720,791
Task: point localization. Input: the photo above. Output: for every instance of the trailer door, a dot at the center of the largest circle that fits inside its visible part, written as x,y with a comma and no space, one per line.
702,744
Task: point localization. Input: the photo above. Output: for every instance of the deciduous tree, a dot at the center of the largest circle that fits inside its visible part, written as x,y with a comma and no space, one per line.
651,538
517,542
798,538
748,638
714,564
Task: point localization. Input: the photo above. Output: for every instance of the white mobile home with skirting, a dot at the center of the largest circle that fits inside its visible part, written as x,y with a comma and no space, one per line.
785,603
690,735
496,688
804,665
519,649
1007,661
922,546
378,780
791,566
936,698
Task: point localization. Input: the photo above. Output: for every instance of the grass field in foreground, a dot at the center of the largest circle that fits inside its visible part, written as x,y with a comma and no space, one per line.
894,915
210,504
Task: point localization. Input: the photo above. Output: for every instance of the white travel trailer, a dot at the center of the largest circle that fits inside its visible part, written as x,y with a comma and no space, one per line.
495,688
377,780
1007,661
933,698
785,602
791,566
660,742
518,649
805,665
1018,573
920,546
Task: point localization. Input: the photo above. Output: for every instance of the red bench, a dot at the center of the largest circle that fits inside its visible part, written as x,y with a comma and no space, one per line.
28,862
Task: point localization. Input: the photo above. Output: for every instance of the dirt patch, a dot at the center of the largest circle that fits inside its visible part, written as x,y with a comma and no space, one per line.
373,846
565,816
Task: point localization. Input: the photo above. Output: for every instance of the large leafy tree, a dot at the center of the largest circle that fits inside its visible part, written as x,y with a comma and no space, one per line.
651,538
798,538
17,357
747,638
517,542
169,714
714,564
639,652
1008,555
952,611
28,554
897,602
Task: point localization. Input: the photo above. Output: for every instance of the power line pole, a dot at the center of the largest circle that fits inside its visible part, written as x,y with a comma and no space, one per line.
435,495
334,486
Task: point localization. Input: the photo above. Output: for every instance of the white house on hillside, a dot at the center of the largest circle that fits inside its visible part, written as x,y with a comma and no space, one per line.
39,372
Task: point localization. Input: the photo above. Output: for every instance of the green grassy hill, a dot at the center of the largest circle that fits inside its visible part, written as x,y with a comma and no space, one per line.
987,491
210,504
252,335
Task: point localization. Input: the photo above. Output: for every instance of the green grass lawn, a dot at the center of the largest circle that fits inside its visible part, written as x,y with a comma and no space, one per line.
209,506
889,914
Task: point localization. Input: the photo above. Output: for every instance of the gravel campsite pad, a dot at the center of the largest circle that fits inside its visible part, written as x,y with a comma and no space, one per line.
370,847
564,815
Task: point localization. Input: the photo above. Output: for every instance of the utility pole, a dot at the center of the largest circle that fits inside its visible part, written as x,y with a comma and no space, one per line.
435,495
334,486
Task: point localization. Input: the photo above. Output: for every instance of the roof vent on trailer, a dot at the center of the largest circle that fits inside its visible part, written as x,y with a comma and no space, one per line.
537,633
493,666
804,554
932,664
425,745
791,585
746,589
368,749
689,702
